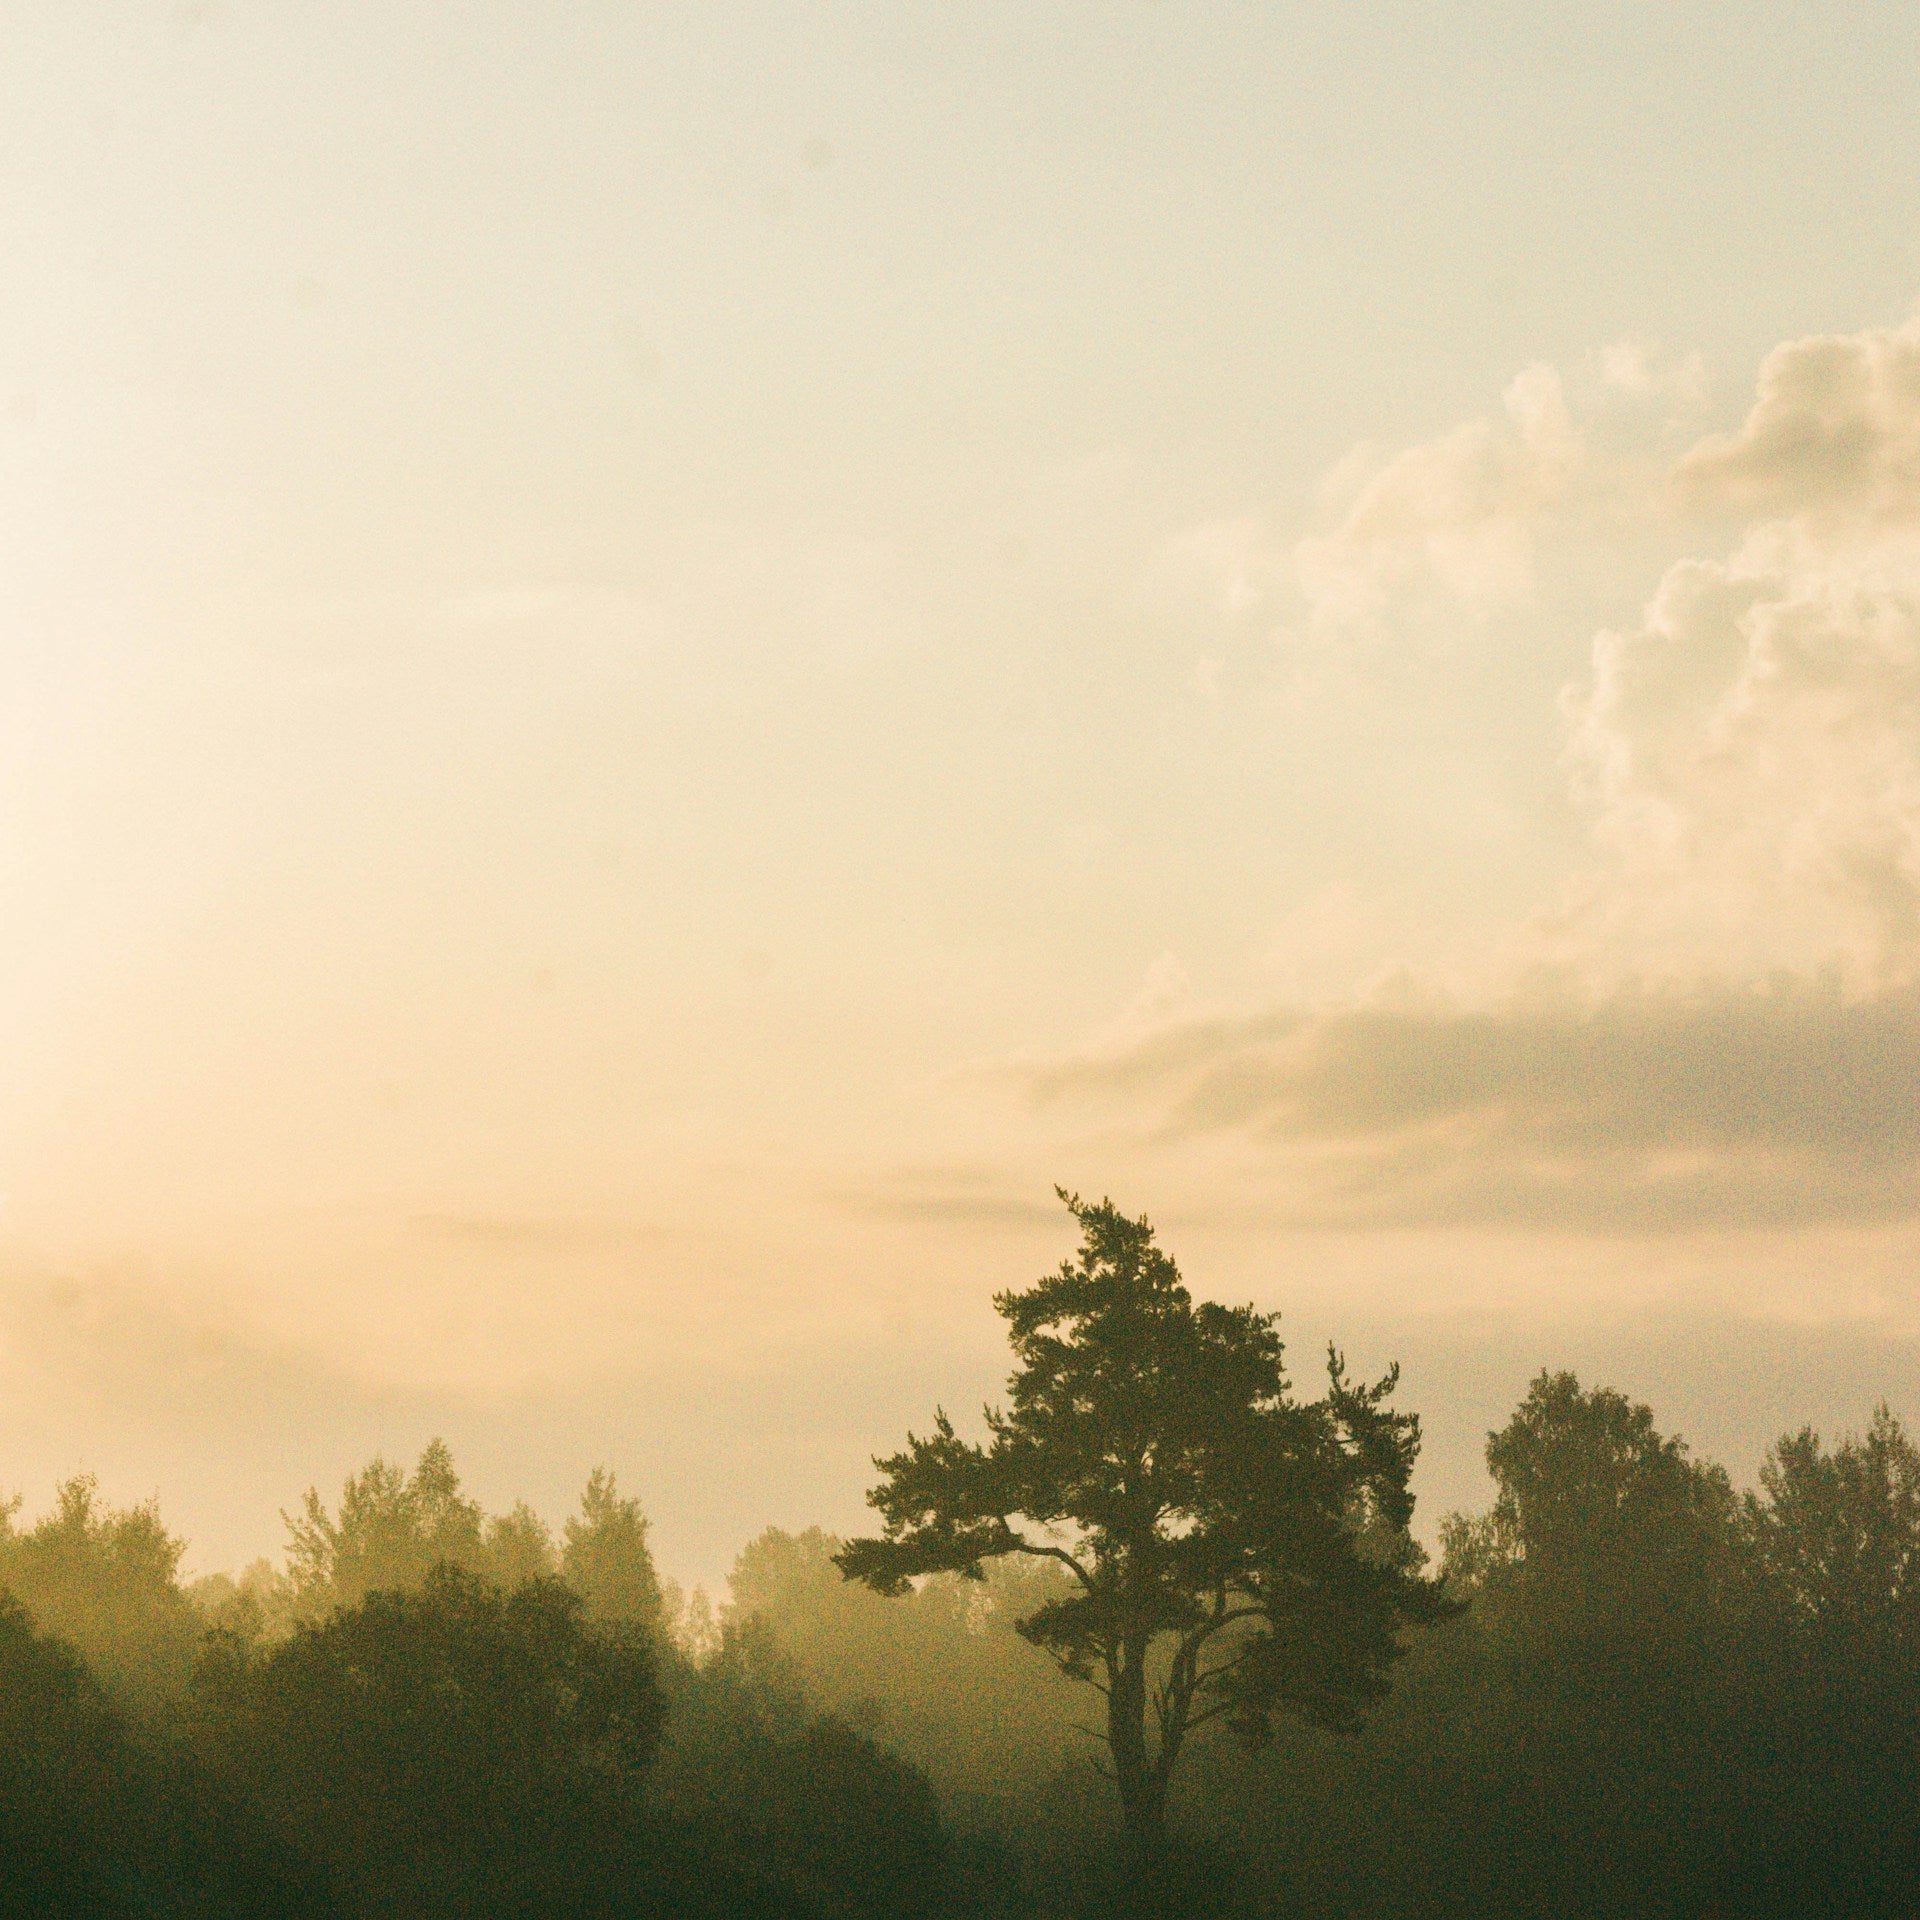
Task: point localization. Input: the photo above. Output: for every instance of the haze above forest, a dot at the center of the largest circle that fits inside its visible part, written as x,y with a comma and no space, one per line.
652,668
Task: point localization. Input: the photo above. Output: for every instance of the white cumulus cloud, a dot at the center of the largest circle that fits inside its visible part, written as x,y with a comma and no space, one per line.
1751,744
1718,1023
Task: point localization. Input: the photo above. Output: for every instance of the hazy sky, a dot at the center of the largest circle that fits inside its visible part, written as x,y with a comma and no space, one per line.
655,661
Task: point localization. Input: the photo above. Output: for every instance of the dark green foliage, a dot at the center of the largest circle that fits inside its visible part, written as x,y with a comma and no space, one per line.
477,1738
442,1747
1835,1537
808,1800
459,1749
1610,1594
64,1767
1838,1535
1664,1701
1637,1715
93,1825
1232,1553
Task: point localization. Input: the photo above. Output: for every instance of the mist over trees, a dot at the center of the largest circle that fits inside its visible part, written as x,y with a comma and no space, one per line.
106,1581
1627,1687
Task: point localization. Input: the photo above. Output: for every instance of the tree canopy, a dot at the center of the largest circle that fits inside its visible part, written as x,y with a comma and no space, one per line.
392,1528
434,1735
1838,1533
1233,1552
605,1557
106,1580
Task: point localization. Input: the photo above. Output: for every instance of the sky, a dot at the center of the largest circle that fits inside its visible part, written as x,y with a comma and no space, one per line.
656,663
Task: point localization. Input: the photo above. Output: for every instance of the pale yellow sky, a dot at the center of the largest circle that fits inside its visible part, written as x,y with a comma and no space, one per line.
654,665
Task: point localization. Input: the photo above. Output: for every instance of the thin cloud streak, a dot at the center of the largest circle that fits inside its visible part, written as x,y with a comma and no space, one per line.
1649,1111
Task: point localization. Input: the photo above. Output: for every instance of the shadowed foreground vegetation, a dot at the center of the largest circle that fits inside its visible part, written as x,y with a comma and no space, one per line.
1634,1691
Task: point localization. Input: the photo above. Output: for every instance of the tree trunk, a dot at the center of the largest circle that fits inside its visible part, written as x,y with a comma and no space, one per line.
1143,1794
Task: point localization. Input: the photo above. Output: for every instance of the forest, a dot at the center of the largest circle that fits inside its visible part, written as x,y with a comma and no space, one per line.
1624,1688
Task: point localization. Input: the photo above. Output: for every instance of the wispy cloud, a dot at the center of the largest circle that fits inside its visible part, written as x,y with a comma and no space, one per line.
1714,1106
1457,514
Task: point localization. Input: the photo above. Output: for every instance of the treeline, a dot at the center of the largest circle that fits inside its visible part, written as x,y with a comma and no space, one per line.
427,1711
1662,1697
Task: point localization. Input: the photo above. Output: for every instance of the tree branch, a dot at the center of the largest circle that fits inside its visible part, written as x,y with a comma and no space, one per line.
1015,1543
